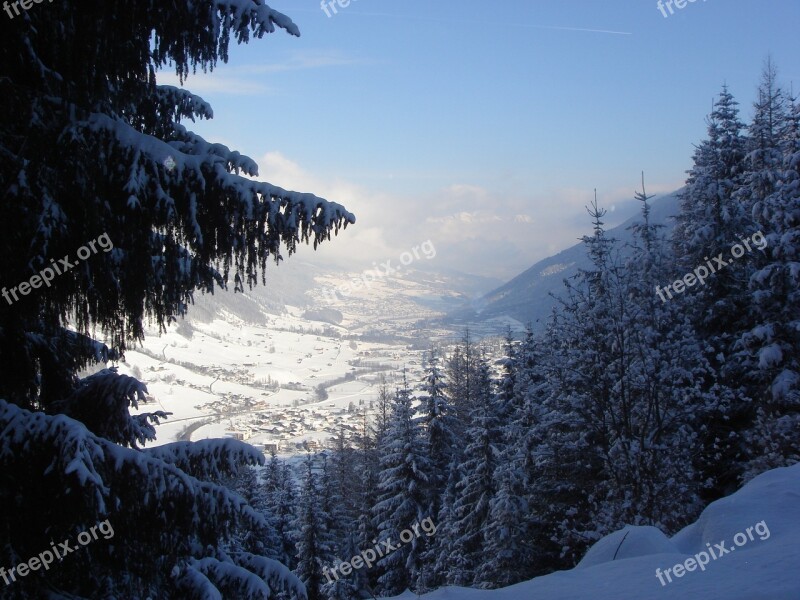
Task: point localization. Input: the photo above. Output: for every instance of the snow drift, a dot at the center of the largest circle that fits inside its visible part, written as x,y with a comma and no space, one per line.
765,567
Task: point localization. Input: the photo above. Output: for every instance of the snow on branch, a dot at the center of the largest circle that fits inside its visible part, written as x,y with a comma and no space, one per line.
74,451
277,575
105,473
196,159
247,220
101,402
194,584
216,22
208,459
259,16
175,104
239,575
234,581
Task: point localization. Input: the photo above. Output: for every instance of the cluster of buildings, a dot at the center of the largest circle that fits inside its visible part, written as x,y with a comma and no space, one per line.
288,430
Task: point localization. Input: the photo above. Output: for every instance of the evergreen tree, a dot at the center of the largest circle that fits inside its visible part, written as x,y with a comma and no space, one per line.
514,548
581,337
99,168
663,398
263,540
384,411
769,351
368,474
278,494
403,479
440,554
438,425
314,552
462,376
475,488
766,141
340,522
173,488
630,394
714,214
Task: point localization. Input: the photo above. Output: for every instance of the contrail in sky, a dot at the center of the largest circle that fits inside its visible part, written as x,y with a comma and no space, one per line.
573,29
431,20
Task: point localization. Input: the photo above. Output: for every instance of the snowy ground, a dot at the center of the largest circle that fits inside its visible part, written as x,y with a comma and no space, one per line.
259,382
766,567
248,365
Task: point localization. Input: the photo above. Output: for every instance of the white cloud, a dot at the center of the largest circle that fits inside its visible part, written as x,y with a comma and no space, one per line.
203,83
241,80
475,230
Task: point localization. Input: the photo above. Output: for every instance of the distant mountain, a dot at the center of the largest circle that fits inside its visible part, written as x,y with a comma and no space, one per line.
527,299
390,305
286,284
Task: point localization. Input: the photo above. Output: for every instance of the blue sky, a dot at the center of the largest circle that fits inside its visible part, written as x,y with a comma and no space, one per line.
483,126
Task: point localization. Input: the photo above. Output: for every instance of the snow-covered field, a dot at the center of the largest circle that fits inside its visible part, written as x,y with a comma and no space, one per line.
260,382
760,564
250,365
228,376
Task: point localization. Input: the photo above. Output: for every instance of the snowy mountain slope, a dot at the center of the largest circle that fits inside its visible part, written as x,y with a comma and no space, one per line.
388,307
526,298
765,567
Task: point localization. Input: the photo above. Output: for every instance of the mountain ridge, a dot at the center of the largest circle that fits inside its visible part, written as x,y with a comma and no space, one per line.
528,297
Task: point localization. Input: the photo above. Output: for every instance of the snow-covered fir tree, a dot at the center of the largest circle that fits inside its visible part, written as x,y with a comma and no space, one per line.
769,351
383,412
368,468
279,498
581,338
314,549
439,428
340,491
462,373
512,549
475,487
402,482
97,153
265,539
714,214
629,397
662,400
